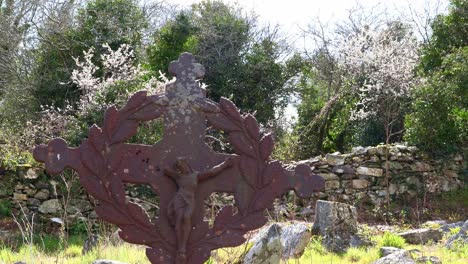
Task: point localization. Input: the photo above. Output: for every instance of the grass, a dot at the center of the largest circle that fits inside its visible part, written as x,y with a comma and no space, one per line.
50,249
391,240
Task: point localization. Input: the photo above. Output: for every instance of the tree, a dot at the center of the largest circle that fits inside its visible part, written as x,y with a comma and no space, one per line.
115,22
243,61
438,122
382,65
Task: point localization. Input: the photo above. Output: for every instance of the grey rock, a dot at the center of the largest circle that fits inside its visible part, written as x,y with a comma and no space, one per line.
337,223
294,239
360,184
332,185
329,176
460,237
20,196
421,236
31,174
51,206
33,202
90,243
346,169
400,257
428,260
421,166
377,172
335,159
278,242
385,251
446,228
267,247
107,261
42,194
359,150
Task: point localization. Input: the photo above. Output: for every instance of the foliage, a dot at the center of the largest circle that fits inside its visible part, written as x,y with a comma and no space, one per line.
381,64
114,22
439,120
392,240
242,60
5,208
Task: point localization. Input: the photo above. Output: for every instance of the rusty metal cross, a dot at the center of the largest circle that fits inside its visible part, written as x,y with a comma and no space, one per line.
181,169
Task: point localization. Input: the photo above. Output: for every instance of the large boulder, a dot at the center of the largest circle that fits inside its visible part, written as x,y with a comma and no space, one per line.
421,236
399,257
385,251
278,242
336,223
460,237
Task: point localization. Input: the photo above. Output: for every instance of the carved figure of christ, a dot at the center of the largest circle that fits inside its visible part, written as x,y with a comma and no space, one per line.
181,207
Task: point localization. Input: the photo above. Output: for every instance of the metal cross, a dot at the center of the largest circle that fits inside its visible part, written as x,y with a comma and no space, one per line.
181,169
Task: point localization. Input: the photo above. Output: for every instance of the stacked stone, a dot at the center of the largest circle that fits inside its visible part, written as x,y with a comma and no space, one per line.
361,173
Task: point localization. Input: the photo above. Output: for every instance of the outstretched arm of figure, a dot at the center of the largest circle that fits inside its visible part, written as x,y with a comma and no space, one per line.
215,170
171,173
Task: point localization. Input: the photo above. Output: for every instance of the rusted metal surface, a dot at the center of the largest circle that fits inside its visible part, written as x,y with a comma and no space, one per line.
181,169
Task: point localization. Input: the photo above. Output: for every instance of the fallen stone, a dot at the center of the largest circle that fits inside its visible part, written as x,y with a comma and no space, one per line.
376,172
428,260
294,239
385,251
421,236
278,242
399,257
33,202
460,237
337,223
446,228
267,247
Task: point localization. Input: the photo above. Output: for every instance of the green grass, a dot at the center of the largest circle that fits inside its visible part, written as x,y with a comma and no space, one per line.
391,240
49,249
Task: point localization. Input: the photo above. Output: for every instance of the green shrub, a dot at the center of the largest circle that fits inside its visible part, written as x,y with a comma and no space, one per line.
392,240
5,208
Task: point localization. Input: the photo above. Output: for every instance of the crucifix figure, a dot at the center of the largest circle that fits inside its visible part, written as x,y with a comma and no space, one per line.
180,209
181,169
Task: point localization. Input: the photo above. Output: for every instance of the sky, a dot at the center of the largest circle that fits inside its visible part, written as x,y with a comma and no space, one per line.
293,16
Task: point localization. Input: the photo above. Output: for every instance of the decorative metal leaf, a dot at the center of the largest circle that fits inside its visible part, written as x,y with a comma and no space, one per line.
266,146
240,143
248,167
220,121
148,112
111,121
135,100
252,127
125,131
230,108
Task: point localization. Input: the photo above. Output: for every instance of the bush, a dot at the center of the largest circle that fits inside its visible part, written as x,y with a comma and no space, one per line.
392,240
5,208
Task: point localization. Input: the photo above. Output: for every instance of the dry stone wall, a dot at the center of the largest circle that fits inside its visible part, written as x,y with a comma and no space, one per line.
362,173
349,178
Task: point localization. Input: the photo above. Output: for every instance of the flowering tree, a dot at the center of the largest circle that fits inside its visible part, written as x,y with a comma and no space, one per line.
382,65
121,77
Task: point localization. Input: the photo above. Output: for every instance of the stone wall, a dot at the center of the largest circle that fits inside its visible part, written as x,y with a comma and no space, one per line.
349,178
361,173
